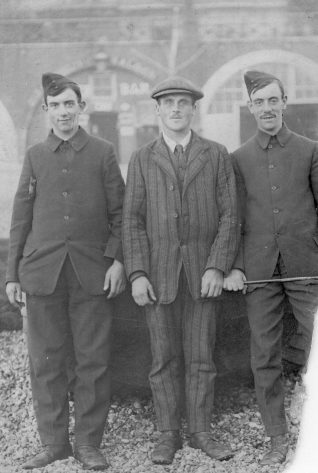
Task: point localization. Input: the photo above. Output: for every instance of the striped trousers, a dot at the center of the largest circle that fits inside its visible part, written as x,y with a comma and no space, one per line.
182,336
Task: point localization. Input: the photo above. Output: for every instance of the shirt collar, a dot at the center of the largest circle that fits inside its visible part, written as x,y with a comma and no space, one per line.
282,137
77,141
172,144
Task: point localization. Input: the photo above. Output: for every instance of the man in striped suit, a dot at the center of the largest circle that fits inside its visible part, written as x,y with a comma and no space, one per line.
180,237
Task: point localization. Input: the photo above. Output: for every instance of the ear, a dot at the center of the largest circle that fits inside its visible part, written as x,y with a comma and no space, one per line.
285,102
44,107
82,106
157,108
250,106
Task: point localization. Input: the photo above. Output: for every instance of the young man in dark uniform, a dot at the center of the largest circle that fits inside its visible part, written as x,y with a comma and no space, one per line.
277,173
65,253
180,238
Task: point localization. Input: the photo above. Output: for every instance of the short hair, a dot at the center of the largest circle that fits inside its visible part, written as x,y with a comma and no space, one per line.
57,90
265,83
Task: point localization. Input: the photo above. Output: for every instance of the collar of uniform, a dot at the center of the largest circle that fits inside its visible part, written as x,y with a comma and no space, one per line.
77,141
282,137
172,144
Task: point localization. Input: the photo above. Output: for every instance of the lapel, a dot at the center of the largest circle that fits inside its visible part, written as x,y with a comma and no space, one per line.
197,159
160,155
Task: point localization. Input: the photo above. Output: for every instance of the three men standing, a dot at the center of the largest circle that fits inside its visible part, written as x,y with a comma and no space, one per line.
65,253
277,173
180,238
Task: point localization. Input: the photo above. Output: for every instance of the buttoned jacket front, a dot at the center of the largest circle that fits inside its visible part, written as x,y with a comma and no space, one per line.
278,182
68,202
164,229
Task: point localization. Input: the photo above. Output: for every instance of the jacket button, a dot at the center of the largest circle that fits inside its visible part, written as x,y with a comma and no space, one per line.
65,194
64,170
274,188
175,215
66,218
276,211
271,166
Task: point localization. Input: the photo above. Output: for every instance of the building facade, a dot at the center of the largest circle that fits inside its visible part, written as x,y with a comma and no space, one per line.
118,49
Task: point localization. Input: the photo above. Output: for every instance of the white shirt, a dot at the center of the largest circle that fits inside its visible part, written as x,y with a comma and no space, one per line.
172,144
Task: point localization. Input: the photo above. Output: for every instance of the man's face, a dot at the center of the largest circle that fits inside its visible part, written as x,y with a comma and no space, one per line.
63,111
267,106
176,112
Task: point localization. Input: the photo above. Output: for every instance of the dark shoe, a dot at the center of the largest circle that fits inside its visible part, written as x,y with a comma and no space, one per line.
205,442
49,454
169,442
90,457
277,452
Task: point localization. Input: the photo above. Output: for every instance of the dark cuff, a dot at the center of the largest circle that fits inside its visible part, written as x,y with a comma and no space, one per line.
137,274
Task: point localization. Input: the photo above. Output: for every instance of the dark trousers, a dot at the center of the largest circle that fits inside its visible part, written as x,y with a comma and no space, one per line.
182,338
69,314
265,310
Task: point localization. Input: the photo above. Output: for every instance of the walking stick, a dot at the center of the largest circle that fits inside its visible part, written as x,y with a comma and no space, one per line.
297,278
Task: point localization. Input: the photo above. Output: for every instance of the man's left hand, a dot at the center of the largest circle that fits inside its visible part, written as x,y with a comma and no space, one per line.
115,279
212,283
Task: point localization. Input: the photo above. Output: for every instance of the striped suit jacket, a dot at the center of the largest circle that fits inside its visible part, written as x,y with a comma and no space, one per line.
164,229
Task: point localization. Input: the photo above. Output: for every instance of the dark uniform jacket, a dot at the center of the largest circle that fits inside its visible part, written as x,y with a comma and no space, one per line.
69,201
164,230
278,179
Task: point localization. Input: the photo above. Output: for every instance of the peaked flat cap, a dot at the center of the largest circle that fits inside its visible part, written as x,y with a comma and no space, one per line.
176,85
53,83
257,80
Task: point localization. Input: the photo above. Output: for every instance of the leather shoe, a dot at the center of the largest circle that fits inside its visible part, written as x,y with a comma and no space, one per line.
169,442
90,457
277,452
49,454
205,442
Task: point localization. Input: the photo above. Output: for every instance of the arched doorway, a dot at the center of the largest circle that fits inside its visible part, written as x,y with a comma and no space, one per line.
223,112
9,168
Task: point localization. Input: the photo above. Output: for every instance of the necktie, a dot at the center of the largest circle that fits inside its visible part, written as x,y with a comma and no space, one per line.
182,161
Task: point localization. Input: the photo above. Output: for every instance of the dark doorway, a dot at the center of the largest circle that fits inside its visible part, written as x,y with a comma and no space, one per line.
146,133
104,125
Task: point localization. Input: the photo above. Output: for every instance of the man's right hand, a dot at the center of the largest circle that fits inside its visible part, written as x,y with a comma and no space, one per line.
142,291
235,281
14,293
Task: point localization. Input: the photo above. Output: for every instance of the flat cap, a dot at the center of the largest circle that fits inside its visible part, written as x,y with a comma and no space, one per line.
52,83
176,85
257,80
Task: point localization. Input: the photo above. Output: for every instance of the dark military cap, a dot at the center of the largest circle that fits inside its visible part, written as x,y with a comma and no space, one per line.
255,80
176,85
53,84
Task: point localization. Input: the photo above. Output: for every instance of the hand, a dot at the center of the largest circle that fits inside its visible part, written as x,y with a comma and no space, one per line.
14,293
142,291
115,279
212,283
234,281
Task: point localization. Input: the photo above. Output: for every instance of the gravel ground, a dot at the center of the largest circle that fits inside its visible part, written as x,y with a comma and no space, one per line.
130,434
